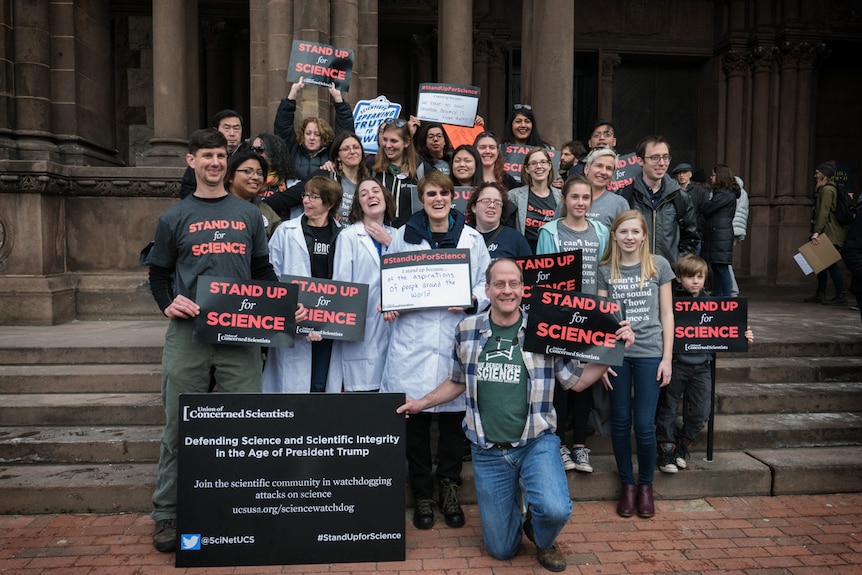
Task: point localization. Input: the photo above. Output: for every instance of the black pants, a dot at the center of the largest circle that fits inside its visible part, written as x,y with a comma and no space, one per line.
450,448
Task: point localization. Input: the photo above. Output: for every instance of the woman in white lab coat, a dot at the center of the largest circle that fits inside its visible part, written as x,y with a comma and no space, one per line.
305,246
420,351
357,260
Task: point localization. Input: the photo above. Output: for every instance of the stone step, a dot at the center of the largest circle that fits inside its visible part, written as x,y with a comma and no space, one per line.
786,430
844,345
52,444
737,398
128,487
81,378
109,409
788,369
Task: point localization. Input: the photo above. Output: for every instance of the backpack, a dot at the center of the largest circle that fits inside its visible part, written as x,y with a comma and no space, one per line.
845,211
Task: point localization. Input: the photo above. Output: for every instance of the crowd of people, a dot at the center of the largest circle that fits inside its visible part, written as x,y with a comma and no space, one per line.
314,204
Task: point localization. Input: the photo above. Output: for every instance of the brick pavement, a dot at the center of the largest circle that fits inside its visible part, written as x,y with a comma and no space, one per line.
787,535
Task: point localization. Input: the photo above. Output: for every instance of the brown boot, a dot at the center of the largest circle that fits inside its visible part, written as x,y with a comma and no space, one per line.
646,507
626,506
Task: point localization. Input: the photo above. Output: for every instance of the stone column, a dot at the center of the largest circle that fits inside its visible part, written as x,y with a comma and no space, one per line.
422,60
170,121
32,80
311,21
365,66
192,67
609,62
481,60
734,66
259,119
804,166
280,26
553,69
455,42
344,28
528,52
497,86
762,60
787,128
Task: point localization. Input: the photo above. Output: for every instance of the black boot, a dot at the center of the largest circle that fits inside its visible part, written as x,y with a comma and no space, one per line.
423,514
819,297
449,505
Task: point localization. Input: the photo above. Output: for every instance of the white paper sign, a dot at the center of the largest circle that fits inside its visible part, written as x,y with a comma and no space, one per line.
448,104
430,279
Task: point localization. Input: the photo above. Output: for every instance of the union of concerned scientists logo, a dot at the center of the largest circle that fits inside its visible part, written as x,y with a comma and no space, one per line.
190,542
209,412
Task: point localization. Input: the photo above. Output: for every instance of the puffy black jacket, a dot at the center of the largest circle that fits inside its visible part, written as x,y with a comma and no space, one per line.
718,215
304,161
671,234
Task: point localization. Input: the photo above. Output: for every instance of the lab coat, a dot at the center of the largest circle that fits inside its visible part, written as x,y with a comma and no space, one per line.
288,369
357,261
420,347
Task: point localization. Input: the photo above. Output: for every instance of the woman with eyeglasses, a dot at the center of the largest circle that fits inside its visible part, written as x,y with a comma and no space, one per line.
348,170
488,147
487,209
420,352
244,179
433,146
575,231
305,246
399,167
308,143
282,187
536,200
521,127
359,364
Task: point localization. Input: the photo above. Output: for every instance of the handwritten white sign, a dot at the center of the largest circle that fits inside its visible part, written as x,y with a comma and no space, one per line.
430,279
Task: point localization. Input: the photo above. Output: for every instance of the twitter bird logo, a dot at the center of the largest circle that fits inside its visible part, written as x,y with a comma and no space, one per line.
191,542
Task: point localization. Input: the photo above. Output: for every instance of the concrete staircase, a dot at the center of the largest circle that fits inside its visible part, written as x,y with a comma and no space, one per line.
80,418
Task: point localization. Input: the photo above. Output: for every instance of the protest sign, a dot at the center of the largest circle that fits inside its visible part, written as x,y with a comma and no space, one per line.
625,172
814,258
710,324
336,310
461,197
448,104
320,64
367,117
561,271
513,159
429,279
462,135
245,312
576,325
290,479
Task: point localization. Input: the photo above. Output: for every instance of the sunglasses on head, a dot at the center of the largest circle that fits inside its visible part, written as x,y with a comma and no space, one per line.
399,123
522,107
258,149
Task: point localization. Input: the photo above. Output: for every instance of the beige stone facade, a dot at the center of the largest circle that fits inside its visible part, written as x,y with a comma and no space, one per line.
97,98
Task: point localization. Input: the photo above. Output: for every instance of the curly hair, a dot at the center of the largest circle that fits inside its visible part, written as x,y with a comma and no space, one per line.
326,133
505,212
277,156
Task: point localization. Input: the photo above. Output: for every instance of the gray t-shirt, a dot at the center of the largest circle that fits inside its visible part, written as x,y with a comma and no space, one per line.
606,207
348,190
210,237
588,242
641,304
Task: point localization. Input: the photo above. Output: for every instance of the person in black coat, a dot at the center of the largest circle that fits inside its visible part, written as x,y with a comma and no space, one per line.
718,214
851,251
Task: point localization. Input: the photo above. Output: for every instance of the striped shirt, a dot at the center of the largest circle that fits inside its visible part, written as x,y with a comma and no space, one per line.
470,338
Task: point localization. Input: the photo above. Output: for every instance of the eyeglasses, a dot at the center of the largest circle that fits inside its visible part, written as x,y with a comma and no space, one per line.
605,134
312,197
399,123
538,163
258,149
355,148
656,159
249,172
441,193
512,284
522,107
489,202
435,136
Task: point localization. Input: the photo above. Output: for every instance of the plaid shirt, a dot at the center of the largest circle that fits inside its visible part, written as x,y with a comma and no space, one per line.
470,338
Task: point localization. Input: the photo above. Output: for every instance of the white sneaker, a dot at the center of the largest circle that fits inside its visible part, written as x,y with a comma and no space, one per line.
581,456
566,456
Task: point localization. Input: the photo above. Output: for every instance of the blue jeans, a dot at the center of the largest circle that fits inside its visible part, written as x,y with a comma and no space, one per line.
722,280
633,402
501,475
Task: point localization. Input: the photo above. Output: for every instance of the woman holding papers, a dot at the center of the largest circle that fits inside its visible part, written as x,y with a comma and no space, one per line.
574,231
359,364
305,246
420,351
